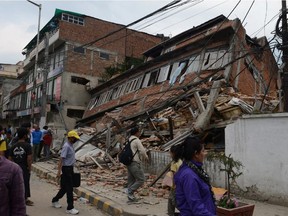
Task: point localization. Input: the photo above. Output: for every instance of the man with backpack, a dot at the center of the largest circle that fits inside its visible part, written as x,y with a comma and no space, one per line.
135,171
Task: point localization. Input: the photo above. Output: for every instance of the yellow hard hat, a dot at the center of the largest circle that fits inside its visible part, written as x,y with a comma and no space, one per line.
73,133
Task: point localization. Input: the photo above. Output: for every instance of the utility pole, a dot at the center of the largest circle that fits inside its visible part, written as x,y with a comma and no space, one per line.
285,56
33,93
44,84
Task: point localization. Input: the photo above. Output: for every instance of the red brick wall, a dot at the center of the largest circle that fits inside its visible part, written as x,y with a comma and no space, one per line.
124,43
263,60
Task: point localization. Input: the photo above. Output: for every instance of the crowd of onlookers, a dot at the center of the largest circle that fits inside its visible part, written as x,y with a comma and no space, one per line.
23,146
41,140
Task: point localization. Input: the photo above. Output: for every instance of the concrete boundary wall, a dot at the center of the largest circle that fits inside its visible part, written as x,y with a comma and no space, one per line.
260,142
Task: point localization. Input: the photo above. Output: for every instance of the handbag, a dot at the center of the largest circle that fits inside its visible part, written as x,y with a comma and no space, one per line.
76,179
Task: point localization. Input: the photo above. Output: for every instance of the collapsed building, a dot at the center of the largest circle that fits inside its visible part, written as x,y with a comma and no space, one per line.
196,82
199,80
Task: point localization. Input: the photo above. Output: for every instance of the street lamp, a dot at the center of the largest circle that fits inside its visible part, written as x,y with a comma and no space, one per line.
36,59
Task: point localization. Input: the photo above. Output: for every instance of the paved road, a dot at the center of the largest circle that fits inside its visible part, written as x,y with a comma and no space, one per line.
41,194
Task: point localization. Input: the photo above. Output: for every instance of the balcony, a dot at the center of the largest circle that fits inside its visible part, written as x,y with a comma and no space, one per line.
53,37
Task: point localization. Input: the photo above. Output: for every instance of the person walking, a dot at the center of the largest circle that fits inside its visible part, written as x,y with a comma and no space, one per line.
12,201
194,195
136,176
66,164
175,164
36,139
21,153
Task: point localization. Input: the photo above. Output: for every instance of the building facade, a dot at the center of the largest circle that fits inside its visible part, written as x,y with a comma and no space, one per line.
8,81
73,52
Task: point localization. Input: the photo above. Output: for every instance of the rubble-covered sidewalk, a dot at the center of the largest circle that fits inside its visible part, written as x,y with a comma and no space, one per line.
111,199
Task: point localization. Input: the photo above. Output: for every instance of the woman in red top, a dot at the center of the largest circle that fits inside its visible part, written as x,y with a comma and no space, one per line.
47,140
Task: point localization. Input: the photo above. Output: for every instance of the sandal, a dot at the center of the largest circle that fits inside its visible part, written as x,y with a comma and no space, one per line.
29,203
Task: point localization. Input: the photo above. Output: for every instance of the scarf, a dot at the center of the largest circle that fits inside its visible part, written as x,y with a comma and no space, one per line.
203,175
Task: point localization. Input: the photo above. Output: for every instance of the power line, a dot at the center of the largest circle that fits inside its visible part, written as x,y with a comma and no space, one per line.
166,7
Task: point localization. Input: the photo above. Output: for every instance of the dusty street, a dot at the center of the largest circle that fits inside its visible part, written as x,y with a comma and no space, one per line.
41,194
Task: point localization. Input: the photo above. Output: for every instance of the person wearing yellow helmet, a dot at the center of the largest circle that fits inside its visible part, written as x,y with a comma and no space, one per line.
66,164
72,134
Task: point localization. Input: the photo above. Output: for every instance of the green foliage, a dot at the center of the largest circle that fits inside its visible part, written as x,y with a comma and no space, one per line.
120,68
231,167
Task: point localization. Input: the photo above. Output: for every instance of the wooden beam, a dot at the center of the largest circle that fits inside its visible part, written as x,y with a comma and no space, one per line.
203,119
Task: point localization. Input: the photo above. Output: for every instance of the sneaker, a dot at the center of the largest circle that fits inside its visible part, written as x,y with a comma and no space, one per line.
132,198
29,202
56,205
72,211
125,190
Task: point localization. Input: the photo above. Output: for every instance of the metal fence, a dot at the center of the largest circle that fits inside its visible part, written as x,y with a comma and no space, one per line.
158,161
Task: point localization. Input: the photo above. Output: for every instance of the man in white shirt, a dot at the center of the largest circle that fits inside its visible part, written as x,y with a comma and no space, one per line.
136,176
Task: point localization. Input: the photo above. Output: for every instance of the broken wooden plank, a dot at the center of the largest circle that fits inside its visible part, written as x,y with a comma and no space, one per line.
110,158
176,140
199,102
95,162
171,128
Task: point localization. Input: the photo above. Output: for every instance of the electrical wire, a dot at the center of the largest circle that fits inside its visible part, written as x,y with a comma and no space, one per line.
205,45
172,5
194,15
166,7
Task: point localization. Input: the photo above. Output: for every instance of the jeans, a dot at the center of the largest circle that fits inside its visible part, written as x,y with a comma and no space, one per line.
135,176
35,151
26,177
66,186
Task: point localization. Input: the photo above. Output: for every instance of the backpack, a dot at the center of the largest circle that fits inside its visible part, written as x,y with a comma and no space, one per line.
126,155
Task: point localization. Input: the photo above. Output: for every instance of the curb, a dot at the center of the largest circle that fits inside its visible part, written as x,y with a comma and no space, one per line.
108,206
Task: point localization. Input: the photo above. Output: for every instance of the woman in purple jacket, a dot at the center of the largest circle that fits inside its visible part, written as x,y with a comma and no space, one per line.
194,195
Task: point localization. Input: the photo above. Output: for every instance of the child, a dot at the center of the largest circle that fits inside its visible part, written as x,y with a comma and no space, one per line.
175,164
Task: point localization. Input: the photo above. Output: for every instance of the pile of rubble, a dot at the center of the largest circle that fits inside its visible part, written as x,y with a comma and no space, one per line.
96,151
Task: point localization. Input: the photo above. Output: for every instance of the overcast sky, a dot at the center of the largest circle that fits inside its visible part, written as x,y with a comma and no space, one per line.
19,18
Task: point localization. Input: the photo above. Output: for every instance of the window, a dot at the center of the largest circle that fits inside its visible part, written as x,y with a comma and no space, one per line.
101,98
179,70
119,91
133,85
169,49
94,102
216,58
79,80
50,90
108,96
79,50
104,55
153,78
75,113
193,65
164,72
73,19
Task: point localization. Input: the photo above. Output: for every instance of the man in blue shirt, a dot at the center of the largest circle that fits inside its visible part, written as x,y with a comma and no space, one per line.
36,139
66,164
